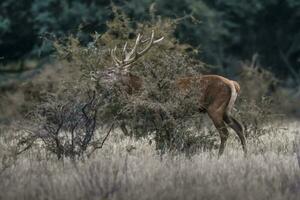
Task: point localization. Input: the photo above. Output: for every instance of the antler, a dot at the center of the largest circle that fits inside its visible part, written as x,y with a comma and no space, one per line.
131,56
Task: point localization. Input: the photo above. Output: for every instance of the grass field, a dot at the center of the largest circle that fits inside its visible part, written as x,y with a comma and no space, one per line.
129,169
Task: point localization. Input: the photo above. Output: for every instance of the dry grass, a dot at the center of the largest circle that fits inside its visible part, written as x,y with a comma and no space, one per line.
128,169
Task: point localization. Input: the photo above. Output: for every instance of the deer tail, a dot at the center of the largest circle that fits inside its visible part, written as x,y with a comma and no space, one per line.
235,90
237,86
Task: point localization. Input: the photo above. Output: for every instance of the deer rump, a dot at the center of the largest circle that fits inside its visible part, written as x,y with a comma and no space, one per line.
212,91
216,95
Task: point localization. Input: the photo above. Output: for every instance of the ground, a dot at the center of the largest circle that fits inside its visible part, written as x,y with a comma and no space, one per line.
130,169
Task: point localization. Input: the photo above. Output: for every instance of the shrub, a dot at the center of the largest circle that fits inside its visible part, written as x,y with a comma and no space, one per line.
155,110
258,103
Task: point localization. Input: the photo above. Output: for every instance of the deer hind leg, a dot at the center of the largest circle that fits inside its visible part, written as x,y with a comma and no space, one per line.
238,128
218,121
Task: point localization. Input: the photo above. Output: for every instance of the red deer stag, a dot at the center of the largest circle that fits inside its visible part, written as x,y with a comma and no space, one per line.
217,94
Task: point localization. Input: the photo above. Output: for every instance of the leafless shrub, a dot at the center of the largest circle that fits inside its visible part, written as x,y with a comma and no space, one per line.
66,126
258,105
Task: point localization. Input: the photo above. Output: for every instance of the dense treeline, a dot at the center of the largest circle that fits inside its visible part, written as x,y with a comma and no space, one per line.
225,31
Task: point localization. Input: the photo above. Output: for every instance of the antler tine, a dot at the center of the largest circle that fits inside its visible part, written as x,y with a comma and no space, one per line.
158,40
154,42
133,50
114,57
139,54
148,46
125,48
133,55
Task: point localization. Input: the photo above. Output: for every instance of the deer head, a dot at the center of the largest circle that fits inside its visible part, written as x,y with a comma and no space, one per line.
121,66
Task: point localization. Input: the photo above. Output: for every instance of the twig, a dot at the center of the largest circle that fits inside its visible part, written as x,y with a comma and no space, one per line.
254,60
103,141
108,133
29,141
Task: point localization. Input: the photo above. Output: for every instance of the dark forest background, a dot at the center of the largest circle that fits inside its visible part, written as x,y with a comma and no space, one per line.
227,33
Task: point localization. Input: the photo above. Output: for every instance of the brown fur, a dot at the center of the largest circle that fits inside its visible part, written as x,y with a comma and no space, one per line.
216,97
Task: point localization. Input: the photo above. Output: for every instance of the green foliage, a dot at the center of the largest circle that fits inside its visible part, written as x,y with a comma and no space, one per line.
61,18
16,29
269,28
225,31
23,23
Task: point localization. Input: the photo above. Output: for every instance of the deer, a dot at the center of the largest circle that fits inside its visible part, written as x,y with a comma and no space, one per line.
217,94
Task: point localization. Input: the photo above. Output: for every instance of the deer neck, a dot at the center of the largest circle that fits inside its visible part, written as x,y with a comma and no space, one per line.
133,83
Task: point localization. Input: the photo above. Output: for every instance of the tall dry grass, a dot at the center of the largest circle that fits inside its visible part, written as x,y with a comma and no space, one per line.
129,169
